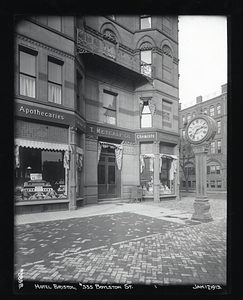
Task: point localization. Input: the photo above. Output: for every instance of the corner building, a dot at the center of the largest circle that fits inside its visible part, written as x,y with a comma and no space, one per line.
96,110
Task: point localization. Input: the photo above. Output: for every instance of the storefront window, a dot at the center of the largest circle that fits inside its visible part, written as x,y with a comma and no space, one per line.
40,175
147,175
166,177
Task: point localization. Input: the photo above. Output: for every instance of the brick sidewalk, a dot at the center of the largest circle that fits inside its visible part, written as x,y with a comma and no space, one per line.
154,251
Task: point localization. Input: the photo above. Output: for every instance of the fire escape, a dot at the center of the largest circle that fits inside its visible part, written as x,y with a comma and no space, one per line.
119,58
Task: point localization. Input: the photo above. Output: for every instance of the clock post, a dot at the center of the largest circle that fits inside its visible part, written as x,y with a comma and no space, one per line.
199,133
201,203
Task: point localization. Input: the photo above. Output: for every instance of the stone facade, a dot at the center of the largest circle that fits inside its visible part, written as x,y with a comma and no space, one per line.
105,73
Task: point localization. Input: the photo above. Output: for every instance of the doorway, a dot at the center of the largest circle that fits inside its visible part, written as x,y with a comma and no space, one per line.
107,175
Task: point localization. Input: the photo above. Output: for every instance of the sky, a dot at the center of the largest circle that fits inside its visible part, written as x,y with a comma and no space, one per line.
202,56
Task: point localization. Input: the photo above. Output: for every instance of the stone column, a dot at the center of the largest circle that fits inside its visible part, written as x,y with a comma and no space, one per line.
156,171
72,173
201,203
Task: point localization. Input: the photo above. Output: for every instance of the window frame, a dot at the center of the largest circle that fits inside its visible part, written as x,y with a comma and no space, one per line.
219,126
110,109
212,146
146,103
146,69
211,111
218,108
219,146
34,54
55,61
142,17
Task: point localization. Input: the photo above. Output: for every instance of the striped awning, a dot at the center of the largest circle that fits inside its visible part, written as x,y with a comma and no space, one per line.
41,145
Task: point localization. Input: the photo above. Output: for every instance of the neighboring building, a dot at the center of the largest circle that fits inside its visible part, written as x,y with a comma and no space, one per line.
96,110
217,156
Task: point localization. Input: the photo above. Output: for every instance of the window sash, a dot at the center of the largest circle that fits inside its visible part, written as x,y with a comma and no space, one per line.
109,116
211,111
27,64
27,86
54,73
54,93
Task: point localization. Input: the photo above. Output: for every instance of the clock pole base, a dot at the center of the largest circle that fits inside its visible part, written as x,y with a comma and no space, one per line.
201,213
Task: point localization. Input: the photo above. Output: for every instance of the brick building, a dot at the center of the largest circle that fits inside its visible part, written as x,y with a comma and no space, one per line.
216,107
96,110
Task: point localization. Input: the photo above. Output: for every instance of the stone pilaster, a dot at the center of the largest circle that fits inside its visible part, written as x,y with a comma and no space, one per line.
156,171
72,173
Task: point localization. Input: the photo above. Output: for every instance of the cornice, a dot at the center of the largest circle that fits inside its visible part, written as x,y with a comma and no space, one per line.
34,42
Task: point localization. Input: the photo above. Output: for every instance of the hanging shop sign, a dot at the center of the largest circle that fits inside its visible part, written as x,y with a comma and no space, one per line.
110,133
80,123
43,114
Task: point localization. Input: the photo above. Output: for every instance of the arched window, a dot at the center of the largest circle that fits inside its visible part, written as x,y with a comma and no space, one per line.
193,114
211,111
188,117
205,110
183,120
146,59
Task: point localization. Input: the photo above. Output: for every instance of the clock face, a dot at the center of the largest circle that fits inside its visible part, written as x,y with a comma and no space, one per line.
197,130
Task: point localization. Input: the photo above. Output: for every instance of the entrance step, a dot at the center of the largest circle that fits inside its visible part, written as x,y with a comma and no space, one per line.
112,201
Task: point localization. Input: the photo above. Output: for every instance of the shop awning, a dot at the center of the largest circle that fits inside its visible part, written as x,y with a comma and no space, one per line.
41,145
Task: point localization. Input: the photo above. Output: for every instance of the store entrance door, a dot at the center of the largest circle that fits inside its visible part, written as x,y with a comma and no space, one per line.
107,175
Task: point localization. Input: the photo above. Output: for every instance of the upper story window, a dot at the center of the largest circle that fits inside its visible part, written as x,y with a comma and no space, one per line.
55,22
183,120
79,92
211,111
213,169
145,21
218,109
109,107
188,118
193,114
218,126
54,80
27,72
183,134
212,147
146,116
146,59
219,146
167,63
205,110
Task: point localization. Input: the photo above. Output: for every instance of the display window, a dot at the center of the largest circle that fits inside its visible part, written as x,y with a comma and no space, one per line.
167,184
147,174
40,174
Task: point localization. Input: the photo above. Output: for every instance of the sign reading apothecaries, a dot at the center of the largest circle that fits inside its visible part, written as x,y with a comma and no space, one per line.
39,113
111,133
146,136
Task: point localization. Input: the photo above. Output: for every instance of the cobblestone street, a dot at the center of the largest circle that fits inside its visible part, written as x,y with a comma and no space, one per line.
129,245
